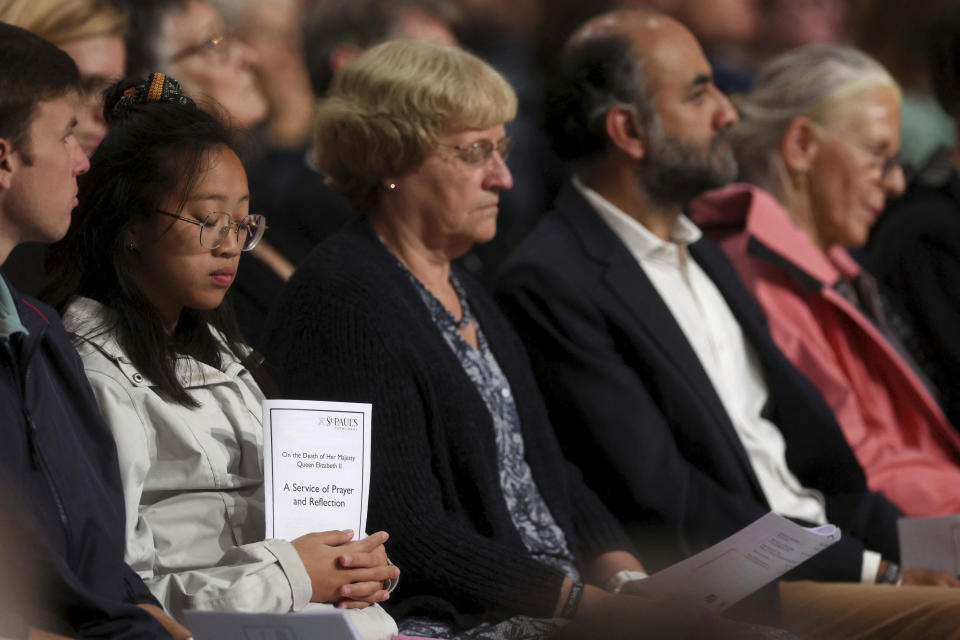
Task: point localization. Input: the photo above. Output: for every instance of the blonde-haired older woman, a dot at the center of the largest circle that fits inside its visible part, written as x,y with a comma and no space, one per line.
91,32
495,532
818,140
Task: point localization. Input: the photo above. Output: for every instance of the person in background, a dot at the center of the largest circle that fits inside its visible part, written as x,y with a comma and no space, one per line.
155,245
273,29
497,534
788,24
915,246
276,149
91,32
59,477
817,143
187,39
338,31
726,29
662,380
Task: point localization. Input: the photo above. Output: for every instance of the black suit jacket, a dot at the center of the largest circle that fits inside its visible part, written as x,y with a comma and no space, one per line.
635,409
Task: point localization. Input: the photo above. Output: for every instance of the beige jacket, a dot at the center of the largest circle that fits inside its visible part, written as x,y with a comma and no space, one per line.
193,483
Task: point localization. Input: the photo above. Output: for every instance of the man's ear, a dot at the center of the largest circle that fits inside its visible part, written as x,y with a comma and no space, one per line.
800,145
8,163
624,131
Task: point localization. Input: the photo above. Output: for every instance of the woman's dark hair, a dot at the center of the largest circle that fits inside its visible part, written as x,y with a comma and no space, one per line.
152,149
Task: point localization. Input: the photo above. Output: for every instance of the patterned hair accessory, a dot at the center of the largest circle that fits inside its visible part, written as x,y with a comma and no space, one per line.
158,88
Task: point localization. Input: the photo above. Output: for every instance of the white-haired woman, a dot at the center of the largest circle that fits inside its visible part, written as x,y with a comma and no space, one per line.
818,141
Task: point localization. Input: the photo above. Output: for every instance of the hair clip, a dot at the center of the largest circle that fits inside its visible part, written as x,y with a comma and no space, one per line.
158,88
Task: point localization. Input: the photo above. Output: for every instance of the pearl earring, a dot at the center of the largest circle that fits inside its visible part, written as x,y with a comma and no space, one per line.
392,186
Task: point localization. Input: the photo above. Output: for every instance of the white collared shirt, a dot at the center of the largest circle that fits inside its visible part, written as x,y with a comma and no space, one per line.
725,354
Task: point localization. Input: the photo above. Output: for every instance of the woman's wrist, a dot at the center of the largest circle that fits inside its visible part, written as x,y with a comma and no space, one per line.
572,603
562,596
890,573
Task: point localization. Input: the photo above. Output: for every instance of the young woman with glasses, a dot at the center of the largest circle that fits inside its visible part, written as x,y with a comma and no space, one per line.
152,251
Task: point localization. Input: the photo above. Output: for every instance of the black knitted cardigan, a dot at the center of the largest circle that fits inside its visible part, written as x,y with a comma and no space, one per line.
349,326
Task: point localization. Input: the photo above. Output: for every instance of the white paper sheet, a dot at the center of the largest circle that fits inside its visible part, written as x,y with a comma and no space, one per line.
730,570
930,543
220,625
316,466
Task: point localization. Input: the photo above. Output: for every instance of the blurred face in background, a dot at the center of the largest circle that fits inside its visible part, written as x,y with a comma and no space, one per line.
856,168
211,65
793,23
272,29
719,23
101,61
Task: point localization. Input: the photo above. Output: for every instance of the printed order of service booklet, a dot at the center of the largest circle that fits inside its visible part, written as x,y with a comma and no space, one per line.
732,569
316,466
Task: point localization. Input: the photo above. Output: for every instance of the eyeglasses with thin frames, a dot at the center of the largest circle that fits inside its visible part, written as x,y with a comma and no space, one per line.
217,224
479,153
886,163
218,45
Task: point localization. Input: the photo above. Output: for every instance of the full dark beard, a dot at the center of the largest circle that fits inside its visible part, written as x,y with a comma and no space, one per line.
673,173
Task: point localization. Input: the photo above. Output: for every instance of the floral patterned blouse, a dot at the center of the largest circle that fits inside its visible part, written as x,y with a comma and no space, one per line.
538,530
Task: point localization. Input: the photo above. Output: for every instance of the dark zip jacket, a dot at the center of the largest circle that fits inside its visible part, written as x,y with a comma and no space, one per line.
61,494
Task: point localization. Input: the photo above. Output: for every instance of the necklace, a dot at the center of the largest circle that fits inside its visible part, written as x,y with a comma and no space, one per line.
462,299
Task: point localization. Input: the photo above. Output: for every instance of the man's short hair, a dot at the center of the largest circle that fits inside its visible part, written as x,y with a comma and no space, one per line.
592,76
31,71
362,23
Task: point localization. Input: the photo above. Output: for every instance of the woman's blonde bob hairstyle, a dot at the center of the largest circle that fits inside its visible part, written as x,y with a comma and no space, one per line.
388,107
64,21
815,82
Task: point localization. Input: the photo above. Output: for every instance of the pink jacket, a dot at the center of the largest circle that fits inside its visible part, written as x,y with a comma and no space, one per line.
898,432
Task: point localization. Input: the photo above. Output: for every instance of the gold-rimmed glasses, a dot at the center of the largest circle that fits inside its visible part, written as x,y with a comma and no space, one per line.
217,45
479,153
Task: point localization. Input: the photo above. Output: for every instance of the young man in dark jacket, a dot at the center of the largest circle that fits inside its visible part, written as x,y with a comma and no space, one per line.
61,560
